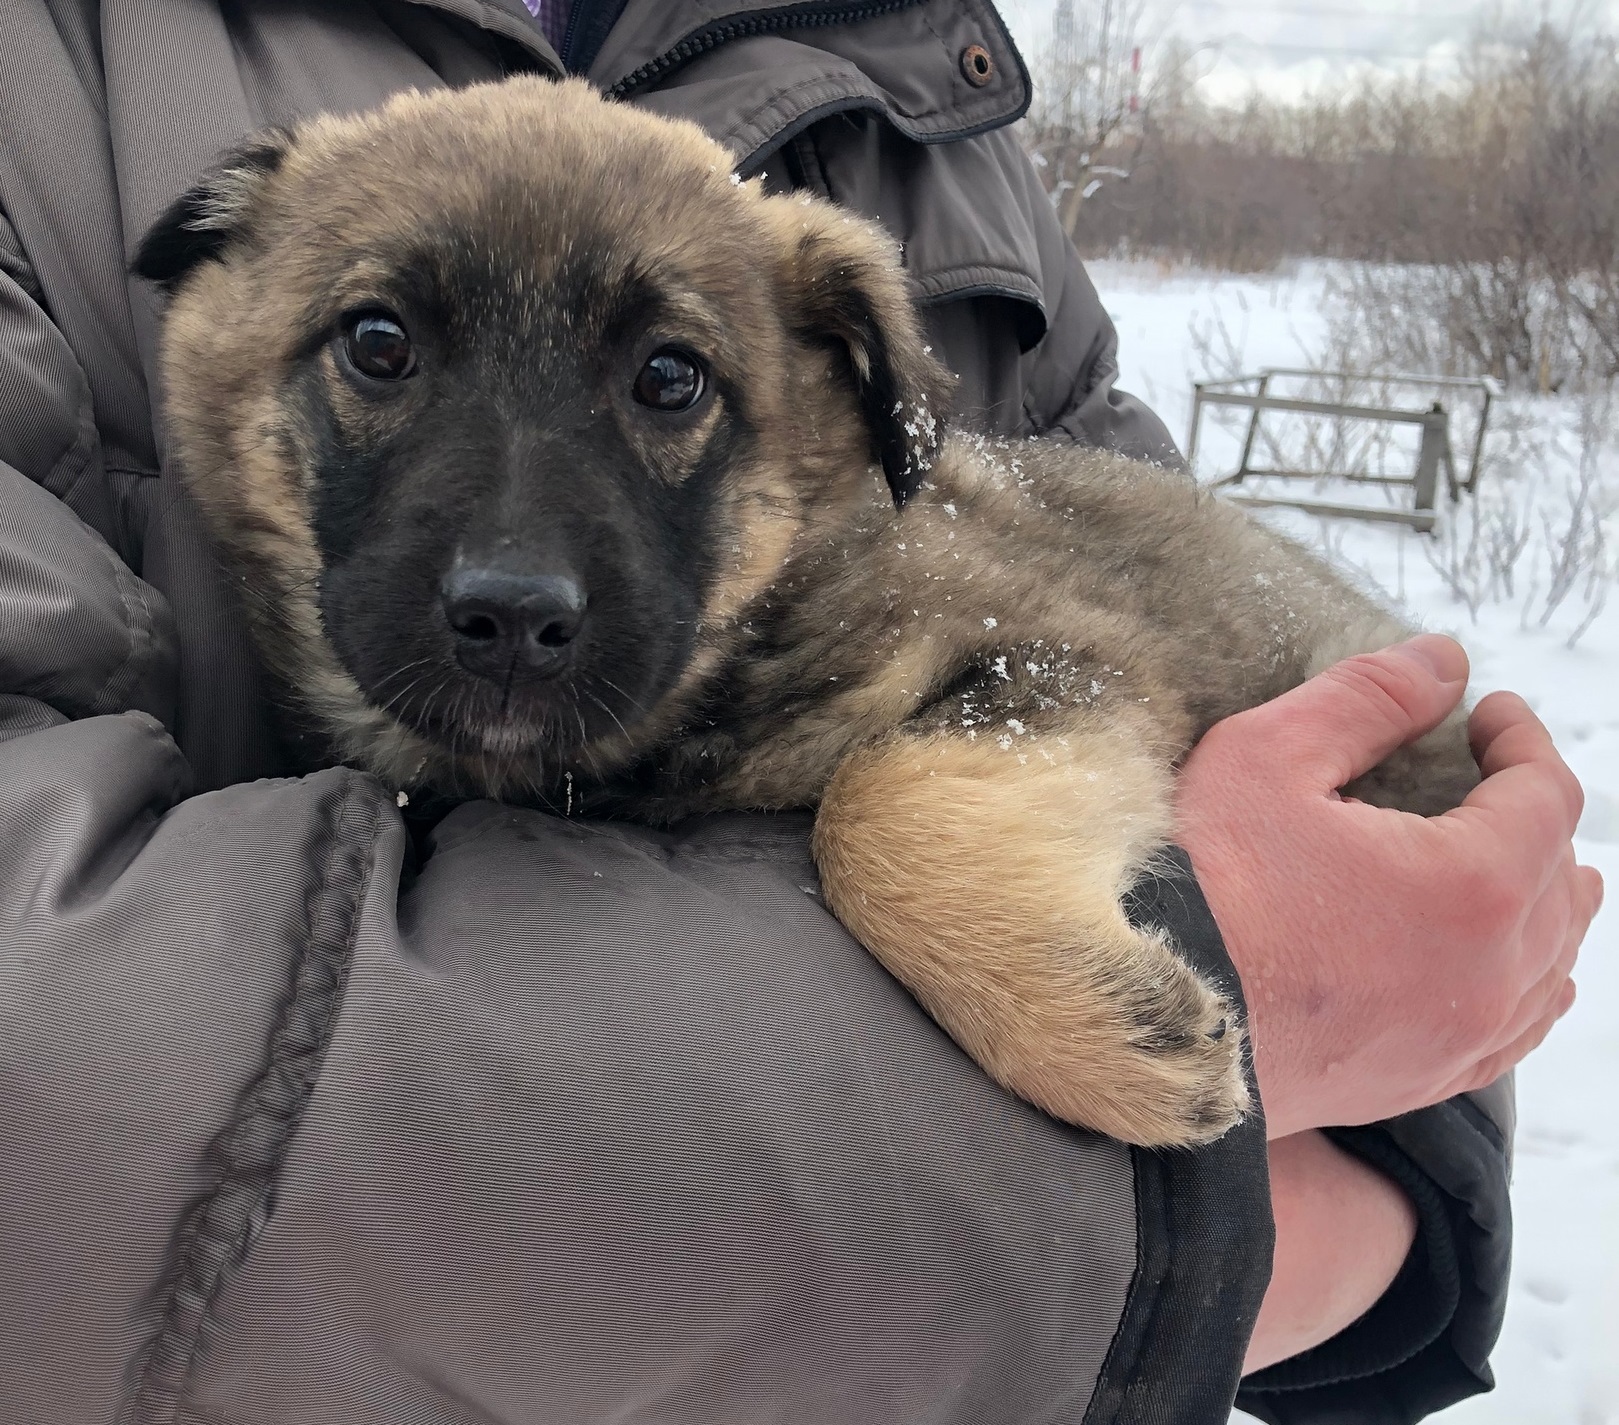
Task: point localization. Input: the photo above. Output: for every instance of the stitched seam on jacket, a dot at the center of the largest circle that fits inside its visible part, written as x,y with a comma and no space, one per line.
139,623
66,473
763,150
948,59
64,476
925,127
78,454
95,92
217,1232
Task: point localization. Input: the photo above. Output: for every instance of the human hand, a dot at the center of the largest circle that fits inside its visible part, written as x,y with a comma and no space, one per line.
1389,961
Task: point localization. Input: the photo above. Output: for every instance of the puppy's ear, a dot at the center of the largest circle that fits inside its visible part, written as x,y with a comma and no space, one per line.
843,286
203,221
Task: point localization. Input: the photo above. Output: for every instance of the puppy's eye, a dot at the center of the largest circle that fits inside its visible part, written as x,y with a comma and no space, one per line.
671,380
379,347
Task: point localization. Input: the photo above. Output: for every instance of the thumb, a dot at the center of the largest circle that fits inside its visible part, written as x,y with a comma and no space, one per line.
1346,720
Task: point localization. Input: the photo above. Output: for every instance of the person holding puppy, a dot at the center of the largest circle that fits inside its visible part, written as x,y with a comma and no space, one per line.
574,1122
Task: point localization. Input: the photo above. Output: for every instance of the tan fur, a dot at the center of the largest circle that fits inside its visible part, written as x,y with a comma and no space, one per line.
930,848
985,694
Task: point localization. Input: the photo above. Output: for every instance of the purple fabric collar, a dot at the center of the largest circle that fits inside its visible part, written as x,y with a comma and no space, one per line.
553,18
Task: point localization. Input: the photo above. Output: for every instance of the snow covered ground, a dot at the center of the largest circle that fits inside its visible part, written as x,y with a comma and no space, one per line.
1551,1365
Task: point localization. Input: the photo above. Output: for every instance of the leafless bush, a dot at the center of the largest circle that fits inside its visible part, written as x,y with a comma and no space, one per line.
1511,267
1461,558
1511,527
1561,527
1486,209
1482,541
1462,319
1087,128
1581,554
1474,231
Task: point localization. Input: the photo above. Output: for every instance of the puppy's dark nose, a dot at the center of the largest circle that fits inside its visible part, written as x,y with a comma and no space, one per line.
506,623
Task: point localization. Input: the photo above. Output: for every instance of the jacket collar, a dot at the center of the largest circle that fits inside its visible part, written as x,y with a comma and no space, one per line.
625,46
653,38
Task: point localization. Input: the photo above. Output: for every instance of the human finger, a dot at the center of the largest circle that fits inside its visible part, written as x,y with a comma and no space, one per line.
1492,1066
1493,714
1346,720
1506,733
1557,927
1540,1002
1562,912
1593,889
1521,820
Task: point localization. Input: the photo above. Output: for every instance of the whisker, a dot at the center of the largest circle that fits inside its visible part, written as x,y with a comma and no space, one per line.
635,703
398,700
608,710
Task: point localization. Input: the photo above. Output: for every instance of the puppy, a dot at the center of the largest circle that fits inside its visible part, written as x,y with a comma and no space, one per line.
554,464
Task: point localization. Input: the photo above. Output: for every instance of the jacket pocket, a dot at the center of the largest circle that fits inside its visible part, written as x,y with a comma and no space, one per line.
902,116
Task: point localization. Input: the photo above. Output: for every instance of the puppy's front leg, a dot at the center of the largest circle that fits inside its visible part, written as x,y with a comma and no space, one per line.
986,873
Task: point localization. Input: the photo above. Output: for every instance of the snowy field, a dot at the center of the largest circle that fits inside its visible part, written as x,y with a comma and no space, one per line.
1551,1365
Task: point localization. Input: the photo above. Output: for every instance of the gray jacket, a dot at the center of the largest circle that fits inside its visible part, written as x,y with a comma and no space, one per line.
302,1120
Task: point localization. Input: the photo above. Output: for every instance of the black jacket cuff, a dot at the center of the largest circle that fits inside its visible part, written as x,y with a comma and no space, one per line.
1203,1222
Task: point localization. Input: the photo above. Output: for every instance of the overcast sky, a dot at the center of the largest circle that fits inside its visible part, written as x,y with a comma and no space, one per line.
1288,47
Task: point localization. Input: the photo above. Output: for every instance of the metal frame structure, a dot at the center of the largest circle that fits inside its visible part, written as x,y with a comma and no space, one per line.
1433,452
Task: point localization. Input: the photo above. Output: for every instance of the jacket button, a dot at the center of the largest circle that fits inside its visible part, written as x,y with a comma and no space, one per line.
977,66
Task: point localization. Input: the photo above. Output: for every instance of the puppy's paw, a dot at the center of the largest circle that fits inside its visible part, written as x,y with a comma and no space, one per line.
1147,1052
1179,1080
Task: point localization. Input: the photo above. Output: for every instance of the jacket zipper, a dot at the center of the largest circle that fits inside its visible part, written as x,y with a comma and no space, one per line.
793,17
567,33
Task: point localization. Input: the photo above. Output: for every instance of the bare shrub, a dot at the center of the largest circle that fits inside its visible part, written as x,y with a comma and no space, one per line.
1486,209
1581,555
1514,271
1088,125
1542,504
1461,558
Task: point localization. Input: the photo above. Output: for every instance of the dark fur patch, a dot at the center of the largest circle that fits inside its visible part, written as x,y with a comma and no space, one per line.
199,225
903,397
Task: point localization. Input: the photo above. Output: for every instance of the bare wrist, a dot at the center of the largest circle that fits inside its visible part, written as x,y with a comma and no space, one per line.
1343,1231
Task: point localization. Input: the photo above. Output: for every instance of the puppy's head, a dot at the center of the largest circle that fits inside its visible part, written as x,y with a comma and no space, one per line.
504,404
